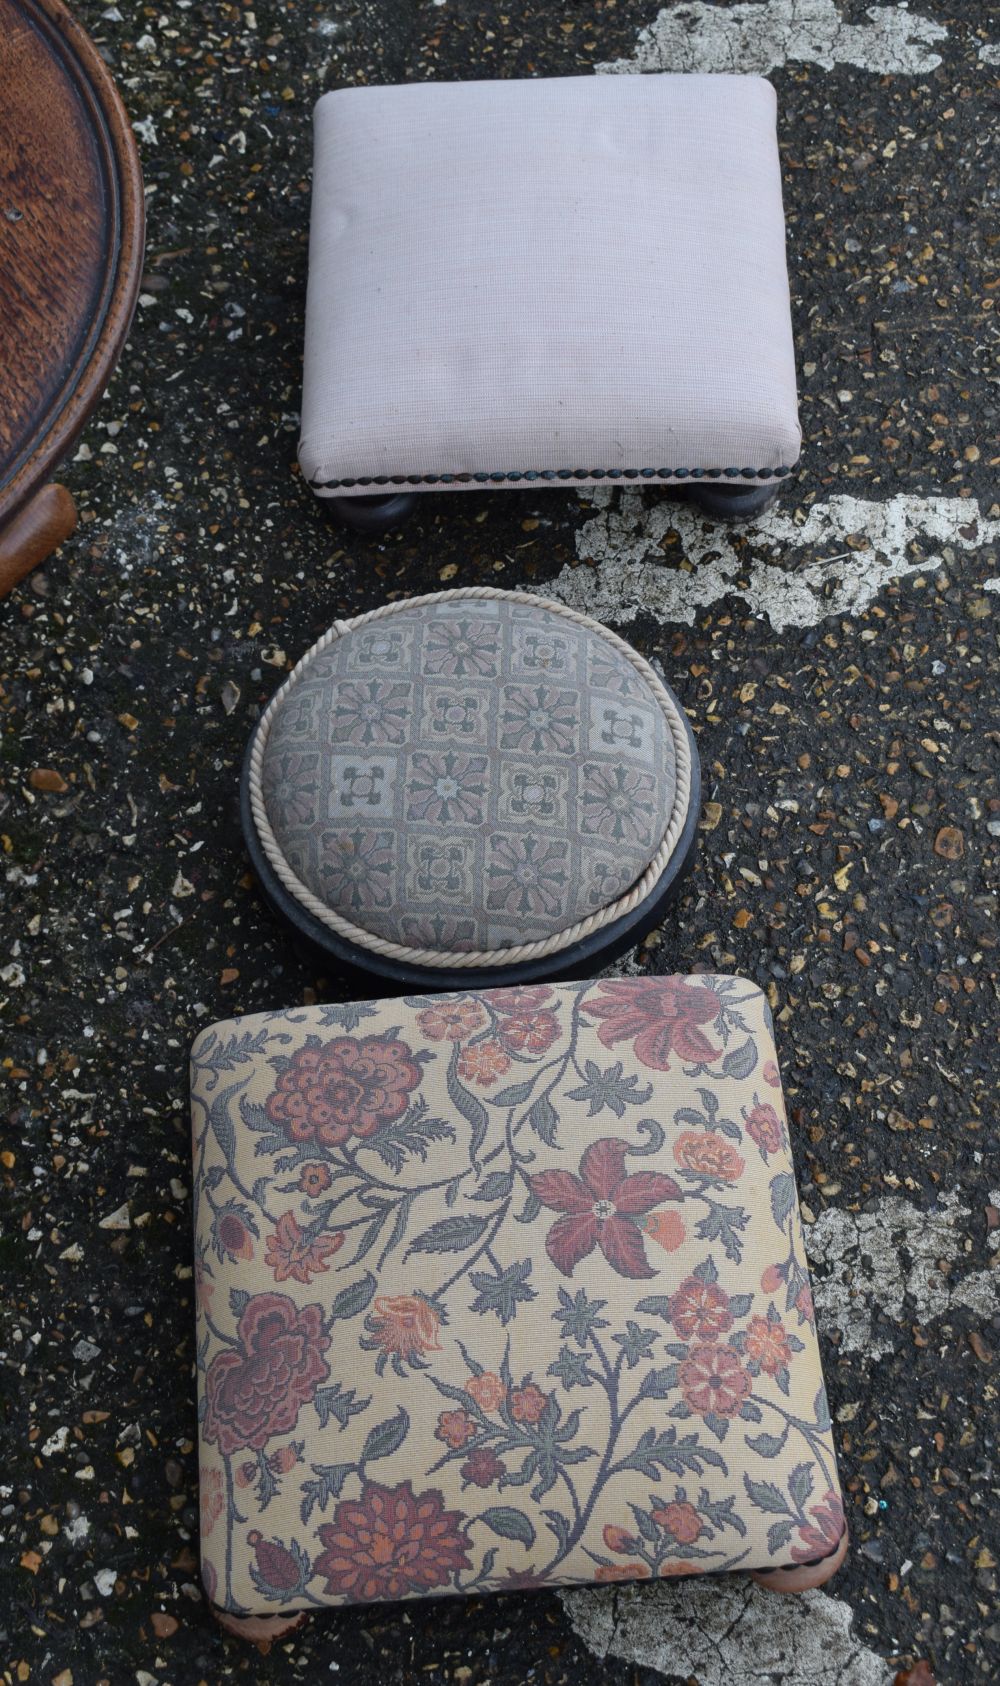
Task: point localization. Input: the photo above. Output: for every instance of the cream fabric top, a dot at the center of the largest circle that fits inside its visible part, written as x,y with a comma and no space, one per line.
547,277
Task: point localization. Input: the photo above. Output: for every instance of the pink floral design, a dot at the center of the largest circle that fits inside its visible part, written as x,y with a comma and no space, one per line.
706,1154
527,1403
714,1382
314,1180
276,1566
451,1020
528,1032
486,1390
483,1467
483,1062
599,1209
680,1520
700,1310
823,1535
622,1572
662,1016
390,1543
455,1428
348,1086
254,1391
767,1344
404,1324
764,1127
293,1252
232,1234
524,998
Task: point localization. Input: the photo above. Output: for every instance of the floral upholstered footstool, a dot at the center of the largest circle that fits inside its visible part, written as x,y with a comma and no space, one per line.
501,1290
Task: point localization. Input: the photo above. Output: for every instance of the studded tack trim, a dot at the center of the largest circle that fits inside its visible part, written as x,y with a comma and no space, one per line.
550,474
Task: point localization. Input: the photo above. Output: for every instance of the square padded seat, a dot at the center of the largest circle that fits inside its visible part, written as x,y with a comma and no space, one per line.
502,1289
559,280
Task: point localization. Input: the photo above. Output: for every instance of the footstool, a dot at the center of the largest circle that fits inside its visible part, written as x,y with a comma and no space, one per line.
475,787
574,281
502,1290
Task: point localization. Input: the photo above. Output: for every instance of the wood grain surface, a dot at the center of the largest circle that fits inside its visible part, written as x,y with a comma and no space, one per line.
71,240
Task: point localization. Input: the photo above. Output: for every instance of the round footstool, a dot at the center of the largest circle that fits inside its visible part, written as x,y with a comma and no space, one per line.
477,787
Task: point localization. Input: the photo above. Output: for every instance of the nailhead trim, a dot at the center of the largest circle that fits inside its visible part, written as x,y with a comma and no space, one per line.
559,474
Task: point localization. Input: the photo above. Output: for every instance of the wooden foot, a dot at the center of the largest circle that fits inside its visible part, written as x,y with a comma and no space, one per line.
34,533
804,1576
259,1629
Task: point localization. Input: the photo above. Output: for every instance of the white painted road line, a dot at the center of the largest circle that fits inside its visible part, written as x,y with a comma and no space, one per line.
757,38
868,1261
776,565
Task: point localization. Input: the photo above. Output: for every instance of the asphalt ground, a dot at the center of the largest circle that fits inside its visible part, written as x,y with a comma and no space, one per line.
849,861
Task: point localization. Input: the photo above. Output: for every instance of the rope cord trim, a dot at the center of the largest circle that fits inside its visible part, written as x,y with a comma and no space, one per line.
540,949
573,475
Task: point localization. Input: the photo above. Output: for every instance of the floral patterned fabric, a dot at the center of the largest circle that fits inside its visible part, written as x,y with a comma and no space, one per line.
502,1289
469,774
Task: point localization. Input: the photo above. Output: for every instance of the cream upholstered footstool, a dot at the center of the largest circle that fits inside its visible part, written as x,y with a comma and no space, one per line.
573,281
500,1290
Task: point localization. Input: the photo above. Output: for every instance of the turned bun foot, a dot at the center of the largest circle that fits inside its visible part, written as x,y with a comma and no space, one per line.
260,1629
34,533
804,1576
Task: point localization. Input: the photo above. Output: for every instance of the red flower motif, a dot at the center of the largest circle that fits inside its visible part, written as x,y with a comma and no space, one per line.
619,1539
527,1404
622,1572
314,1180
405,1324
708,1155
276,1566
599,1207
483,1062
714,1382
231,1235
804,1303
771,1074
451,1020
523,998
390,1543
483,1467
349,1086
663,1015
487,1390
292,1252
767,1343
824,1534
532,1031
680,1520
700,1309
256,1390
455,1428
764,1127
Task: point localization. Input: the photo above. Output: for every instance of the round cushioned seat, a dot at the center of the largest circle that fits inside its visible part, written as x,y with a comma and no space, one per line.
480,783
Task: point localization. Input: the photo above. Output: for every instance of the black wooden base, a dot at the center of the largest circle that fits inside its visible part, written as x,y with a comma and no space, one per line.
381,976
721,500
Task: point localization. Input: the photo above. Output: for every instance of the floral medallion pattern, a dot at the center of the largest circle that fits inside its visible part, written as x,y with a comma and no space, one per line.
502,1289
471,773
